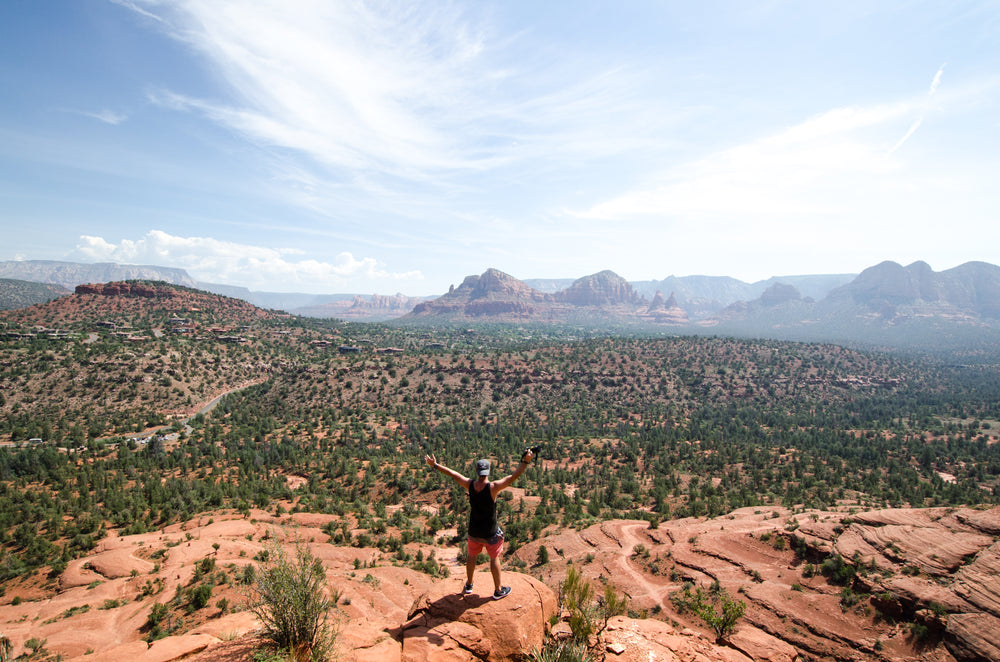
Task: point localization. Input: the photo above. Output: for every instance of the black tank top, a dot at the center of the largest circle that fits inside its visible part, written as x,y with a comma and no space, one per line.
483,513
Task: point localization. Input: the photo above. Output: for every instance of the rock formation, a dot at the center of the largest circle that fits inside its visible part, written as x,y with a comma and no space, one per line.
115,289
446,625
492,294
667,311
605,288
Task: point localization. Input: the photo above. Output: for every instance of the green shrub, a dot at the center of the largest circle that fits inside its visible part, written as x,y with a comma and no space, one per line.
723,621
158,613
290,598
838,571
588,616
200,596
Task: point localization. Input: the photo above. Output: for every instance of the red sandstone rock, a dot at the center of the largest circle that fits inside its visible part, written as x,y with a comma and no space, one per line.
641,640
974,636
760,646
445,625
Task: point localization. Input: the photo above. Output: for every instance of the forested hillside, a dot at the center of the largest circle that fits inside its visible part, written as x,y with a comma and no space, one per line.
21,293
649,428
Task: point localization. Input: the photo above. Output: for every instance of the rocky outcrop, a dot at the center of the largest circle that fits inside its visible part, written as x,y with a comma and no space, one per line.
126,289
641,640
605,288
443,624
492,294
665,311
974,637
658,303
761,646
938,567
500,297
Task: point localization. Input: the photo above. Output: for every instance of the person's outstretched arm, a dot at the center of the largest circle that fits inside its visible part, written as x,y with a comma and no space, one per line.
507,481
451,473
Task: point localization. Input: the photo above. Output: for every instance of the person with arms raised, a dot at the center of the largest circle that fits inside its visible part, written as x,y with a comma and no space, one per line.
484,532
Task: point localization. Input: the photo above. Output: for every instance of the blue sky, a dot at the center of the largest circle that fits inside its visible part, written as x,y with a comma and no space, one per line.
318,146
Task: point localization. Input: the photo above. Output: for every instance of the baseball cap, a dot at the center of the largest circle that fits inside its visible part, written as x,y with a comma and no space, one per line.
483,468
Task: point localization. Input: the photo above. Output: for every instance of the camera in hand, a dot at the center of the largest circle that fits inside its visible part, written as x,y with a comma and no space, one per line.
534,452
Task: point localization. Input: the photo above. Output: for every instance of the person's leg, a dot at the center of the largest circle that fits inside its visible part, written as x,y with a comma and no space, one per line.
495,570
470,566
495,550
472,550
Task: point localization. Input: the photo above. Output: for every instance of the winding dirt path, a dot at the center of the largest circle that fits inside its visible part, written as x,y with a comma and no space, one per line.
628,537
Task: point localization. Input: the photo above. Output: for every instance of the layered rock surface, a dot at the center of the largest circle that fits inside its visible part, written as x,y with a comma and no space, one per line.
925,586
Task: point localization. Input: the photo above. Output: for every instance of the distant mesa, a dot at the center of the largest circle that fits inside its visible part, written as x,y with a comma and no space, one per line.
778,294
71,274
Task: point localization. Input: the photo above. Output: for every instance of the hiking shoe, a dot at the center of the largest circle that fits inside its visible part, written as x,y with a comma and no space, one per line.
501,592
467,589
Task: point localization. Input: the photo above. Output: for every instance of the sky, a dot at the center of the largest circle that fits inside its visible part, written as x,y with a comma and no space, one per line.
323,146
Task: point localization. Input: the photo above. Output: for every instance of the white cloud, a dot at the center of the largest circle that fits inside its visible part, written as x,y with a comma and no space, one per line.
344,83
256,267
805,169
413,92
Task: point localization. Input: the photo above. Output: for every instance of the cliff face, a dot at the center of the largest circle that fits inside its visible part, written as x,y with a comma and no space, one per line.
665,311
126,289
973,287
605,288
492,294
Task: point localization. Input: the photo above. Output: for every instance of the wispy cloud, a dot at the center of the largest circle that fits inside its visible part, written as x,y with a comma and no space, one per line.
345,84
105,115
137,9
108,116
223,261
913,129
935,83
805,169
413,92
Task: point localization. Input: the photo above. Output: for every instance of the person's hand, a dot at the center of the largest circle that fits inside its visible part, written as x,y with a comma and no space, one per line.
527,457
431,461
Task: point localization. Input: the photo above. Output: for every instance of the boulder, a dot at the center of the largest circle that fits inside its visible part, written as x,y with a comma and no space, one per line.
444,625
